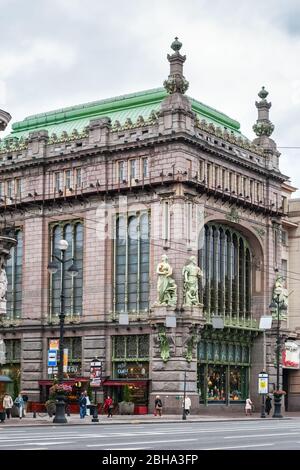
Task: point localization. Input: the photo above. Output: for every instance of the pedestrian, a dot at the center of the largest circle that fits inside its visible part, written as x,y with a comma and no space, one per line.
248,406
108,406
88,406
82,405
7,404
268,405
25,399
158,406
2,411
187,405
19,402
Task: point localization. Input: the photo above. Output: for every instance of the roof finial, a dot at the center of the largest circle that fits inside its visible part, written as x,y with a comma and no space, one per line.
263,125
176,82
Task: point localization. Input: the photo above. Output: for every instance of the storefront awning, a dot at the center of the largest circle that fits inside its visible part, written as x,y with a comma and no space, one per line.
4,378
122,383
66,381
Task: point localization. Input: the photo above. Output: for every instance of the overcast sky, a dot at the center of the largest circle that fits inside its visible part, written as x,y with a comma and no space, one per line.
57,53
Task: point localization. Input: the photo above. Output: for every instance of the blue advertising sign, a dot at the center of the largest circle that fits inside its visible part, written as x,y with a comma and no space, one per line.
52,357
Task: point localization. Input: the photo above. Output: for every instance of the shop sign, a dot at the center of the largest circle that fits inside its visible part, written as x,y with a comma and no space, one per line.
54,344
72,371
52,358
96,373
66,356
263,383
291,355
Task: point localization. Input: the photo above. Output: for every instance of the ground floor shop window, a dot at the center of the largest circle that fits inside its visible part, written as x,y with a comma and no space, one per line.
222,383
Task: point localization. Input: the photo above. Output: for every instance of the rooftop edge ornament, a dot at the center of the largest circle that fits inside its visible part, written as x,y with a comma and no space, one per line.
176,82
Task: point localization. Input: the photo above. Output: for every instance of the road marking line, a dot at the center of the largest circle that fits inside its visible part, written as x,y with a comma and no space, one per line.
239,447
138,443
262,435
35,444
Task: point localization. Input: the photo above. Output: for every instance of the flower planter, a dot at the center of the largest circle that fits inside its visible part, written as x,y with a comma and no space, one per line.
126,408
140,410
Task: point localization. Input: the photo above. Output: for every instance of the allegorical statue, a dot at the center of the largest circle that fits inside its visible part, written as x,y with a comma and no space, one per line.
3,290
280,293
191,275
3,284
166,287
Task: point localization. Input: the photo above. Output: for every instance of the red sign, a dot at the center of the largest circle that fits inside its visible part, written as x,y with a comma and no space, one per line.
96,373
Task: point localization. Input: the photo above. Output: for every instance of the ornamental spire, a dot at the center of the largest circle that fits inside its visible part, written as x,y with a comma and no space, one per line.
263,125
4,119
176,82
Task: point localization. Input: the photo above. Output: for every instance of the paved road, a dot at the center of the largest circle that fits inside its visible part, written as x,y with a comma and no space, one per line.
268,434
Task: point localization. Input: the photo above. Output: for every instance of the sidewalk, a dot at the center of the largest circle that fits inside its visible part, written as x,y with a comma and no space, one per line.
135,419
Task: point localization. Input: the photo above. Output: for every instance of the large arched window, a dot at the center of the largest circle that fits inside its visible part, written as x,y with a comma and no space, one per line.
225,257
14,278
131,280
73,233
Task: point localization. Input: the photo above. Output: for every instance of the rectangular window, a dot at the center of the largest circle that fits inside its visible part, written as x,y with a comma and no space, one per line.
18,187
13,350
14,279
216,176
132,169
131,270
121,173
223,179
9,191
284,271
245,187
201,170
284,237
68,182
284,203
238,184
165,221
78,178
72,232
57,181
230,182
251,189
145,167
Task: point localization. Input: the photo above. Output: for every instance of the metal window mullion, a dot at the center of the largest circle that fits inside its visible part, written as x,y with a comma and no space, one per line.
73,277
138,263
51,276
244,281
223,271
229,265
13,282
217,270
208,268
126,265
250,287
115,264
237,262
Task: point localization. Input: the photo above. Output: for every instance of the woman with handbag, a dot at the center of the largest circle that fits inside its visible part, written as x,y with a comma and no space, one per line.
158,406
19,402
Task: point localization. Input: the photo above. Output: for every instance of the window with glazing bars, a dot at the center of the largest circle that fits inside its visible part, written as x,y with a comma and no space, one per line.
226,262
72,232
14,279
13,350
131,280
131,347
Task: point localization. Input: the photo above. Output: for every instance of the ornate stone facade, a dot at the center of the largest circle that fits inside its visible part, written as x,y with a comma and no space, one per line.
172,167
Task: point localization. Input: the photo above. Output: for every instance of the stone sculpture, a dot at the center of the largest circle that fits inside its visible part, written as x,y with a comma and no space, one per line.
191,275
166,287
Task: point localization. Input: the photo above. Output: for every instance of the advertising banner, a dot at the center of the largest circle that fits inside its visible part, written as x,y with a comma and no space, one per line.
291,355
96,373
263,383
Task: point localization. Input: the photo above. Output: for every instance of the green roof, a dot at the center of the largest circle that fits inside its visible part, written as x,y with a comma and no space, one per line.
119,108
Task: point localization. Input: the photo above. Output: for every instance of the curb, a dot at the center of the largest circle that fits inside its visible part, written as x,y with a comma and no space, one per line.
221,420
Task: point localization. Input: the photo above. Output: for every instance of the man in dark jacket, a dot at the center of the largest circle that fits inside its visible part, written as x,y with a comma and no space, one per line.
82,405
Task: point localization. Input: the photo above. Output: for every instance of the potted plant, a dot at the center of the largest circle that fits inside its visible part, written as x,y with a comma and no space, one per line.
126,407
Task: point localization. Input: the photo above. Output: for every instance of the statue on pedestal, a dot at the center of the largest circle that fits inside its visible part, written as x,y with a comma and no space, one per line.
166,287
3,290
191,275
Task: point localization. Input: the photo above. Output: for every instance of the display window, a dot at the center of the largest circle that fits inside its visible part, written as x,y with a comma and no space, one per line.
216,383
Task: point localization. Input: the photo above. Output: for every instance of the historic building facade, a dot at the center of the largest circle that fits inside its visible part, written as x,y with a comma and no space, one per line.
145,188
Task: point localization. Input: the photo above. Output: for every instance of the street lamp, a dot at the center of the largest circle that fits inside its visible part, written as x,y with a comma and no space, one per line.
277,306
72,271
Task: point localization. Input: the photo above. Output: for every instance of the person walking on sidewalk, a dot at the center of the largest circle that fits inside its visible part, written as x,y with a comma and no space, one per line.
248,406
268,405
19,402
158,406
187,405
82,405
7,404
108,406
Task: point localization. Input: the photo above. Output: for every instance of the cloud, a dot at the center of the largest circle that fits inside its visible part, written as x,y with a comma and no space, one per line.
65,52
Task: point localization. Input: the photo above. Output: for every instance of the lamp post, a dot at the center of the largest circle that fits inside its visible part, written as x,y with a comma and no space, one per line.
184,390
72,271
277,306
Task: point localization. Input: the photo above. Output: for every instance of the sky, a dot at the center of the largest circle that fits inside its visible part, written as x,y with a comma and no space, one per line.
57,53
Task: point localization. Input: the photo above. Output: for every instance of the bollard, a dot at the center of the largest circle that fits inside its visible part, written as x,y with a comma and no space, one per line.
34,414
95,418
